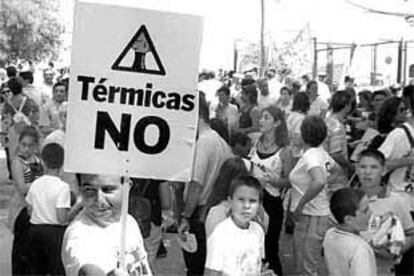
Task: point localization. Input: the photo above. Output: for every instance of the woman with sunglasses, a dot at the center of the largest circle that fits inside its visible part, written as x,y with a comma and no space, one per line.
398,149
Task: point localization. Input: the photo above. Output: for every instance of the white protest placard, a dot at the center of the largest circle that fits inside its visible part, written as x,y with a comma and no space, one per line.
133,92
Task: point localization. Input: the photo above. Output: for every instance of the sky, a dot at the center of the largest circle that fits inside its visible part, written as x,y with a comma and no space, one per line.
226,21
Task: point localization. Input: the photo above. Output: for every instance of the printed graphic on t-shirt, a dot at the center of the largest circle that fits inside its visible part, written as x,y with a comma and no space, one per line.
248,263
135,266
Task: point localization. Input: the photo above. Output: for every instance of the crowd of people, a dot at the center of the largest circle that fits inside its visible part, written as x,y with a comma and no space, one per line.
329,166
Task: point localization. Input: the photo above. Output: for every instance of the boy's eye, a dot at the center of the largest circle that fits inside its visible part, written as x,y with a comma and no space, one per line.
108,189
89,191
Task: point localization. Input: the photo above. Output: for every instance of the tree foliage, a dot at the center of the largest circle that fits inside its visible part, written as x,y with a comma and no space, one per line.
29,29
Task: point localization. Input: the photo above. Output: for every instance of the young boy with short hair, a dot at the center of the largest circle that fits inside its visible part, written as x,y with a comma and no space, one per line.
236,246
345,251
49,202
370,170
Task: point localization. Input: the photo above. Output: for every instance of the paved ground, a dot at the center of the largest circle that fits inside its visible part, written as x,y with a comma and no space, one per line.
172,265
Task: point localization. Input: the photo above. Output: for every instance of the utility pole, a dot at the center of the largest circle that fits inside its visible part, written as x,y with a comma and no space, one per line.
400,61
262,46
315,58
235,55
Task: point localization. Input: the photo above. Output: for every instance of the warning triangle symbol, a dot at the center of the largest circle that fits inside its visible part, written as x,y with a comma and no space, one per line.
140,48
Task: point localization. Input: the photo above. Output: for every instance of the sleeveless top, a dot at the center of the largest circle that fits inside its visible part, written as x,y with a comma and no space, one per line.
271,162
245,121
18,202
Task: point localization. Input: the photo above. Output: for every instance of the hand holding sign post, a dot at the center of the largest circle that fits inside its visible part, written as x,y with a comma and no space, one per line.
132,103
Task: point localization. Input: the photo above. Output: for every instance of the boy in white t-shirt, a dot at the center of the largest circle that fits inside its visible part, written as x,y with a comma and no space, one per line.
49,203
236,246
370,170
346,252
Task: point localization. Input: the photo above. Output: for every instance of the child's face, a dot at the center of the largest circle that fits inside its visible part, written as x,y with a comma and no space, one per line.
223,98
359,222
370,171
102,198
27,146
244,205
242,150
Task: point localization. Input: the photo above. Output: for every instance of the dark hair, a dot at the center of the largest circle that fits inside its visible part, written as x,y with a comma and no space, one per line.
59,83
287,89
221,128
379,92
29,131
301,102
15,85
296,85
306,78
52,155
224,89
239,138
245,82
386,114
11,72
27,75
366,95
263,86
251,93
211,75
272,70
345,202
231,168
203,110
313,131
281,131
340,100
310,83
248,181
408,96
374,153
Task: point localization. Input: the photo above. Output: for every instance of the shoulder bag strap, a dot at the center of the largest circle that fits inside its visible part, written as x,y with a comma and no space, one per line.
409,136
22,104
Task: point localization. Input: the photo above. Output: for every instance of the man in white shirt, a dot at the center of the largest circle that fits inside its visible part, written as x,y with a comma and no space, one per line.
29,89
92,241
274,84
323,89
318,106
225,111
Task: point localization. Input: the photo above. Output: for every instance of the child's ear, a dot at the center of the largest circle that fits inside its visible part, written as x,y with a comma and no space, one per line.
348,220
